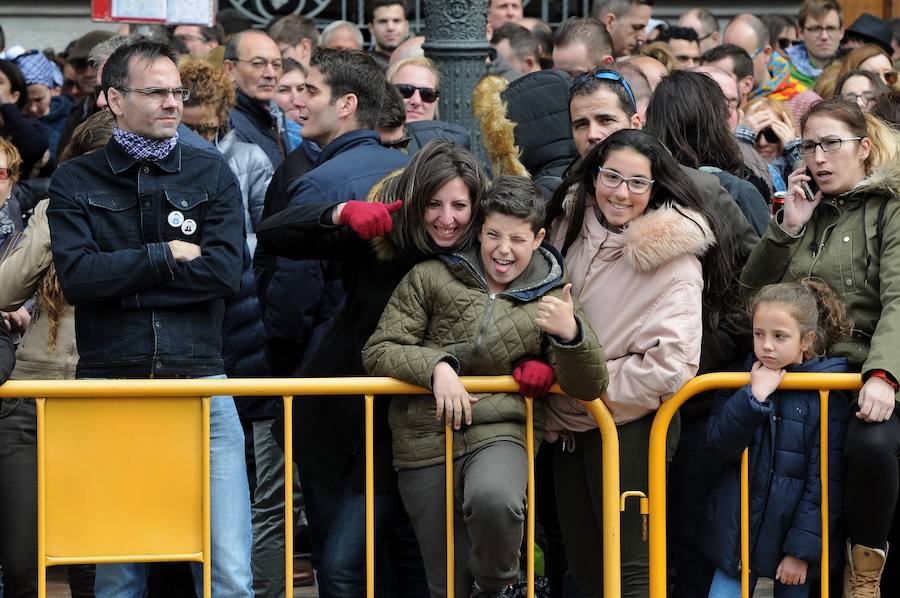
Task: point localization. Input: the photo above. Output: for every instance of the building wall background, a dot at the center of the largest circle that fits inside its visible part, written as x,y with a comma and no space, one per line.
54,23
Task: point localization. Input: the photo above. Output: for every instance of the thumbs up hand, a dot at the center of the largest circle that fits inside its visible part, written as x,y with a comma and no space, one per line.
556,316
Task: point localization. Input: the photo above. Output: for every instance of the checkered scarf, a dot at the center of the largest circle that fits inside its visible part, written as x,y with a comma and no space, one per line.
144,148
38,69
6,223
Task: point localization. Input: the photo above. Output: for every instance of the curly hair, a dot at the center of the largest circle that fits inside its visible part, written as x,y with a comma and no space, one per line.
815,307
209,86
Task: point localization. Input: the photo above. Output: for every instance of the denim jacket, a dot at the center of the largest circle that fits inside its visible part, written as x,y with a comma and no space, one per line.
138,313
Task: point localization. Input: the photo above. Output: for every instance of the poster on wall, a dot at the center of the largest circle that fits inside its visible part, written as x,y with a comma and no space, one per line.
166,12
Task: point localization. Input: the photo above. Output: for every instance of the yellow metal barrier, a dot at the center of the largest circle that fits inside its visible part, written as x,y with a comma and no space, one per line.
657,466
182,533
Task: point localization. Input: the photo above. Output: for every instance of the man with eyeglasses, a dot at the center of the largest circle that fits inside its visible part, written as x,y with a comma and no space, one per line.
821,29
254,63
772,74
147,238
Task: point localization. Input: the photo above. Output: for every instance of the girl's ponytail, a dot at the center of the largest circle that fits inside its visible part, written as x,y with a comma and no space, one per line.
834,325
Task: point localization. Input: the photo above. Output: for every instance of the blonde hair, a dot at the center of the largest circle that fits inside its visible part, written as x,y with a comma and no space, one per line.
776,106
827,81
421,61
13,160
662,52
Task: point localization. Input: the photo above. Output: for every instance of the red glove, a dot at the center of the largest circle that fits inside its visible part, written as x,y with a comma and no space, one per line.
369,219
535,377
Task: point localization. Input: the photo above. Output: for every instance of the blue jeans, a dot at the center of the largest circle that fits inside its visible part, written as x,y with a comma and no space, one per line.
229,519
727,586
337,529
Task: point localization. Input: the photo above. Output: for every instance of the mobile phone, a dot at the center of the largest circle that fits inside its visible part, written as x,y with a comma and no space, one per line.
810,187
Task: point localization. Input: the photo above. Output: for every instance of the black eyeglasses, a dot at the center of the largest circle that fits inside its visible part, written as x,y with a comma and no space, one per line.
428,95
831,144
605,75
160,94
98,90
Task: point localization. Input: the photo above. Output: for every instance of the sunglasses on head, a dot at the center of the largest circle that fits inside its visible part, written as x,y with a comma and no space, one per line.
427,94
606,75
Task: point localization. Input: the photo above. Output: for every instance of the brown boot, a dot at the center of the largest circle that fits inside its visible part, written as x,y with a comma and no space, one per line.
862,573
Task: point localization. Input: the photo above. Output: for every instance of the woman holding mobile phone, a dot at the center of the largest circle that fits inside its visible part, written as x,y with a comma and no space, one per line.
847,233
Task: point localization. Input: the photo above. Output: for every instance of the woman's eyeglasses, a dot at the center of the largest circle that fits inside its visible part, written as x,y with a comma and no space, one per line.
864,98
427,94
5,173
612,179
831,144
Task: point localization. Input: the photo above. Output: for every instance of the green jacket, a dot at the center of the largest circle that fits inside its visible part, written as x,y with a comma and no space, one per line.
840,245
443,311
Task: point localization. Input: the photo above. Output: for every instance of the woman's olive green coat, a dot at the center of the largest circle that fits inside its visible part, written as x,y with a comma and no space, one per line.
841,245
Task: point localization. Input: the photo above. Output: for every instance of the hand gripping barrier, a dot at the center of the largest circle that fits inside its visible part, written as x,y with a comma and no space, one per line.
123,469
657,467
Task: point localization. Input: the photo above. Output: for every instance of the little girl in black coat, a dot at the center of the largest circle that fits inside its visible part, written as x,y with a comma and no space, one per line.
792,323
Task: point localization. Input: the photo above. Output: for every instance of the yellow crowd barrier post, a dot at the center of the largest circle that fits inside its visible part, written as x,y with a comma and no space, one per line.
657,457
206,409
823,476
370,496
612,549
529,525
288,495
745,524
42,497
448,506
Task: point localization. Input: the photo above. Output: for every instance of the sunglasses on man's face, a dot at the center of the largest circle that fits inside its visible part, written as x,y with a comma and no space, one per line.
427,94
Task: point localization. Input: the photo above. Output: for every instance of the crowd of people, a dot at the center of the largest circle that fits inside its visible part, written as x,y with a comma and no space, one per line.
658,200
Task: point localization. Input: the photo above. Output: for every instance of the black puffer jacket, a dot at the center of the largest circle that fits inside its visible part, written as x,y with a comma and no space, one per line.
7,354
539,105
242,343
422,131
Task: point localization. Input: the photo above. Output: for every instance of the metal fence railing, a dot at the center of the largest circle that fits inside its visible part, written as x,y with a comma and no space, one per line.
123,469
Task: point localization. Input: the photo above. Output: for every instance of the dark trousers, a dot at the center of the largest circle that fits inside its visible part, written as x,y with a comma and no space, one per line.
18,505
694,468
336,519
577,479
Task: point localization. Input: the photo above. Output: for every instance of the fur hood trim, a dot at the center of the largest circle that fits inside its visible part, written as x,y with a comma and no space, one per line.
658,237
884,179
497,131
